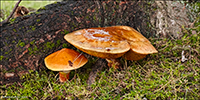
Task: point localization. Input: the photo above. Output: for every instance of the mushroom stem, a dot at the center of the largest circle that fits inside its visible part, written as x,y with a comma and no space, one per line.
115,63
64,76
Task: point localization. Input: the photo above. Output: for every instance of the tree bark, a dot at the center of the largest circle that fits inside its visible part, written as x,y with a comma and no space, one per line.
26,41
171,17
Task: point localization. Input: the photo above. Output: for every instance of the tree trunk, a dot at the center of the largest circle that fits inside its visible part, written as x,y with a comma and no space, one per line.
171,18
26,41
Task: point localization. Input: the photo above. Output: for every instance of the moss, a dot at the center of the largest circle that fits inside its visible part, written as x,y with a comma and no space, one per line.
14,30
87,17
66,32
22,44
72,12
74,24
94,17
33,28
106,7
179,42
117,6
32,42
30,50
55,2
97,10
12,20
58,43
20,50
28,31
35,48
50,45
13,41
8,51
43,8
38,20
37,12
64,45
6,42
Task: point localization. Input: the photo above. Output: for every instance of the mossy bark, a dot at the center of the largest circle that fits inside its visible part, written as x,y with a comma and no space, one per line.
26,41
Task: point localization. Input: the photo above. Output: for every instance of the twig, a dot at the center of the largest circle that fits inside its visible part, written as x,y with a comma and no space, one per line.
7,19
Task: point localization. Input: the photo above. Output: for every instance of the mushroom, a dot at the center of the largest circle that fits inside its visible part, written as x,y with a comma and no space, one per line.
64,61
140,46
20,11
111,42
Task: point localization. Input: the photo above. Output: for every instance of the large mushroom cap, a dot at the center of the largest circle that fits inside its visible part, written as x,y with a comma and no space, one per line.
99,42
65,60
111,42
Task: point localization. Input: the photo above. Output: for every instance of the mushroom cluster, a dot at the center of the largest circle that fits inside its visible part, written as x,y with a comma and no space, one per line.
111,42
106,42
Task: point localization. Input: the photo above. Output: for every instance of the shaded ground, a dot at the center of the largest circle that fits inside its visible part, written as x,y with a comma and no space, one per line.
158,76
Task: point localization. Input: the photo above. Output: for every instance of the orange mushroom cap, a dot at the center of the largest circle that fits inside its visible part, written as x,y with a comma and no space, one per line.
140,46
99,42
111,42
65,60
138,43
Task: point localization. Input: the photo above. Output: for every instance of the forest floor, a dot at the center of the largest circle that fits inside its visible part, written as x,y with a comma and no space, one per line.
172,73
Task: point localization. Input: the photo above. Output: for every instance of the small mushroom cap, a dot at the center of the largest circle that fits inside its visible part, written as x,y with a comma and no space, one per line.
99,42
65,60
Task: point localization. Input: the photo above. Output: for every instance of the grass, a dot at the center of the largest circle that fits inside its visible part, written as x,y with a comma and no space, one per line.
8,6
158,76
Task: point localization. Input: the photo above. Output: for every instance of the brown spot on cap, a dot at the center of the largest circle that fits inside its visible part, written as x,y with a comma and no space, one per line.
108,49
70,63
